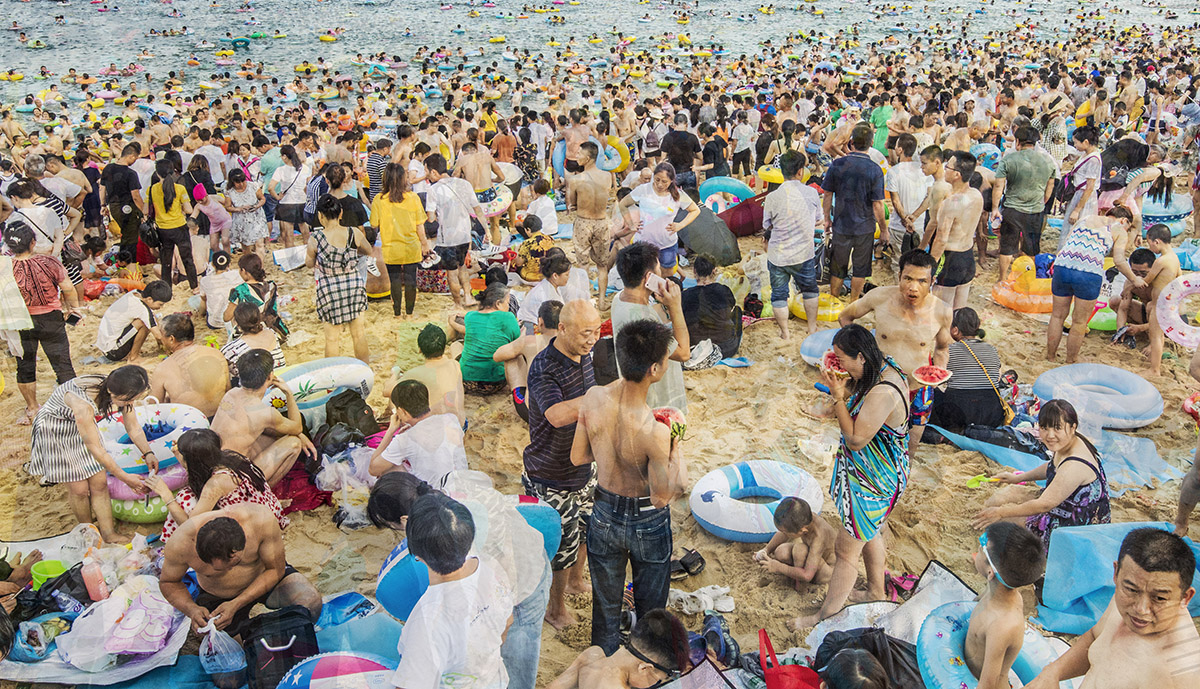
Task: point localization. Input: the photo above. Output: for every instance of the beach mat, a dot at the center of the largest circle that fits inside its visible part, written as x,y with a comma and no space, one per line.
377,634
1079,575
1129,461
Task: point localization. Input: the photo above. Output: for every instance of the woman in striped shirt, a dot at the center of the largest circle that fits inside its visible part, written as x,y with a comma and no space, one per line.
971,396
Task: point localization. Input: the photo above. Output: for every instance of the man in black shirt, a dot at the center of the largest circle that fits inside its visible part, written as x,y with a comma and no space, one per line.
681,148
120,191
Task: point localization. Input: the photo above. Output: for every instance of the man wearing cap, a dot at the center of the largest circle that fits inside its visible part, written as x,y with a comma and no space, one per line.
1024,183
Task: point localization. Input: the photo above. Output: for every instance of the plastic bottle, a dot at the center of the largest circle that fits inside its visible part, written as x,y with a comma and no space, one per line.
93,578
66,603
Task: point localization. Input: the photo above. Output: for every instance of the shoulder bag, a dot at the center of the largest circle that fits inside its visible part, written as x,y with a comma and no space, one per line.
1009,414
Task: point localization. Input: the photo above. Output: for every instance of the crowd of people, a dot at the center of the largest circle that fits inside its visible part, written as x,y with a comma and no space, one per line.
904,169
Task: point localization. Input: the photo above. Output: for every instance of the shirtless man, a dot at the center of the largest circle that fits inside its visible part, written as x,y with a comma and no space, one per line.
652,656
160,133
477,166
237,554
1145,639
932,164
911,328
836,144
958,218
640,470
587,196
625,122
575,135
193,374
517,354
256,429
440,374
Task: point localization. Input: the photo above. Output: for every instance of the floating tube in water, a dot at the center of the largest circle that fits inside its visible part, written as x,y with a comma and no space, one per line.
240,43
717,504
1123,399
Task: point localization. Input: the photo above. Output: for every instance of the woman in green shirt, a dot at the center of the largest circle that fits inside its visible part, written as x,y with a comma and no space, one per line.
484,331
171,205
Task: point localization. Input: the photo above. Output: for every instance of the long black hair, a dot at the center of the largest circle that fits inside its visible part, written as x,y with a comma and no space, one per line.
392,498
202,454
127,381
854,340
167,175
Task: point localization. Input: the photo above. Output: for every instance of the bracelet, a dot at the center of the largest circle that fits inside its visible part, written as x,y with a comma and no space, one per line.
147,452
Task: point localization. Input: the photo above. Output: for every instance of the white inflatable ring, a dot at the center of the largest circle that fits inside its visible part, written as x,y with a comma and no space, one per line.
314,382
717,505
1123,398
1169,301
175,477
163,424
940,649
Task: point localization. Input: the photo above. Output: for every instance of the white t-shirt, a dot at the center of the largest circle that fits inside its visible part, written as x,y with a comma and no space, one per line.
114,329
907,182
145,172
656,212
452,637
284,181
416,170
744,135
215,288
542,292
430,449
452,198
44,222
63,189
216,158
543,208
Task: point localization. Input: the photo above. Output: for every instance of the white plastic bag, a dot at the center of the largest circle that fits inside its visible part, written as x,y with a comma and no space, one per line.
219,653
145,626
83,646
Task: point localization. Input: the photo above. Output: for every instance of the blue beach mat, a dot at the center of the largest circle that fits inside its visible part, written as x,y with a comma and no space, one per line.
1129,461
1079,575
566,230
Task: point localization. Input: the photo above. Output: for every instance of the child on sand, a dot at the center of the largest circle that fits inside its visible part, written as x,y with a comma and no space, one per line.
1010,557
803,548
1165,269
219,219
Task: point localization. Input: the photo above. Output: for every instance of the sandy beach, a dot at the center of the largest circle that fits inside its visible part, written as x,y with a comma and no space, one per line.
734,414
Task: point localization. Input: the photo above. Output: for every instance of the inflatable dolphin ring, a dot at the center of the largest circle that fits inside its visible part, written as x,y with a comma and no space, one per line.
940,654
717,505
403,579
1126,400
162,424
1170,301
313,383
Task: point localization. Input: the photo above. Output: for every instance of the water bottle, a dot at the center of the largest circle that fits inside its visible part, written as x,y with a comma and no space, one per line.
93,578
995,224
66,603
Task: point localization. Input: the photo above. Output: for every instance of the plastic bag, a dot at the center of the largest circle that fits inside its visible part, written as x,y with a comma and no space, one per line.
145,626
79,542
222,658
83,646
351,503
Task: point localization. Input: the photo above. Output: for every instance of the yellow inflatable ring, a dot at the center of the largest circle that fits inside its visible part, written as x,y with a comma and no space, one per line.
622,151
828,308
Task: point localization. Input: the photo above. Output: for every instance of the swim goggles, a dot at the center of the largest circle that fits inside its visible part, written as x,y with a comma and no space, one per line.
983,541
671,674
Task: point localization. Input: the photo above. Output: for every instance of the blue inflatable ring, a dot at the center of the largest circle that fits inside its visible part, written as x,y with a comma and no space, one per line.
726,185
717,505
1173,216
942,639
1127,400
609,160
814,346
240,43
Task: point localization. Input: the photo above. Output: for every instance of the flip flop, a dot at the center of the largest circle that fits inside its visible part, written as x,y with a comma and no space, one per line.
692,561
735,362
903,582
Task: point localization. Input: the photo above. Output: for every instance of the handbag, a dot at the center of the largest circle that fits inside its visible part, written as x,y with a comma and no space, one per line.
783,676
1009,414
276,641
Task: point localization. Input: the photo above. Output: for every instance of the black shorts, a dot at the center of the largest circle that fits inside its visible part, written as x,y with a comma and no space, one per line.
741,160
210,602
453,257
290,212
1020,232
958,268
855,252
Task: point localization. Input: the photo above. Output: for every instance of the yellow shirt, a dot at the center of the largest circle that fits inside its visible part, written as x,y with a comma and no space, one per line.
398,225
488,121
168,218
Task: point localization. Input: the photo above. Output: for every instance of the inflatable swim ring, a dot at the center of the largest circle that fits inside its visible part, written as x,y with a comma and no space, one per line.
1023,290
770,174
716,501
940,652
340,669
175,477
828,308
241,44
403,579
987,154
1169,303
500,204
162,423
1174,216
1125,399
814,346
140,511
314,382
713,186
327,38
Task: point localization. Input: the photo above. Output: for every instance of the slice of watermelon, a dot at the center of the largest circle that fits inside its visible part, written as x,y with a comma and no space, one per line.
672,418
832,365
931,375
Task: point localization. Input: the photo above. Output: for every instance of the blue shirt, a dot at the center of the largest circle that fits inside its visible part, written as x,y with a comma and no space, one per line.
856,182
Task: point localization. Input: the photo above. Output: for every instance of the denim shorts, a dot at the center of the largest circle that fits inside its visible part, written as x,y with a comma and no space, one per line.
805,276
668,257
1069,282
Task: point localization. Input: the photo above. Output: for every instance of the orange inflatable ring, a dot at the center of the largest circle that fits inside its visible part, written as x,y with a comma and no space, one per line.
1022,290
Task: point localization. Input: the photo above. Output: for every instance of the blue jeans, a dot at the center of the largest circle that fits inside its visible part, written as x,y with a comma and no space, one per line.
523,646
685,179
624,532
668,257
270,203
805,276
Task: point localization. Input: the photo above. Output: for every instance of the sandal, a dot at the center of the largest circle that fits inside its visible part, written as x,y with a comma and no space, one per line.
692,561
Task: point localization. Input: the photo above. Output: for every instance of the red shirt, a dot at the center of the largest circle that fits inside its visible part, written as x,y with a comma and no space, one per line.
38,278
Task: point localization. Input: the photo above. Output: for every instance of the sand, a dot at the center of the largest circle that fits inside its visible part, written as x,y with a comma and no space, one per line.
734,414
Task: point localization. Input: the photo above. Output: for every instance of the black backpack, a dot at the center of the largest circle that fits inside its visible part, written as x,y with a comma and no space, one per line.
350,408
277,641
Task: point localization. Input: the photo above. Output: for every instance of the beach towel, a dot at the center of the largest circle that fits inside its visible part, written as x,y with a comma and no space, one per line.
1079,575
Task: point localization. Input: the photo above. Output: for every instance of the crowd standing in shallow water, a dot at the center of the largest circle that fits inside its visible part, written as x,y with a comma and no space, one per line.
930,159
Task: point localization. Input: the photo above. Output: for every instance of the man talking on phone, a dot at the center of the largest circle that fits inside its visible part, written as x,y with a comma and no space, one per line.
647,295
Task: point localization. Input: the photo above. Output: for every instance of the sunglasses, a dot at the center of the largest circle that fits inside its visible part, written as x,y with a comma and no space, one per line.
671,674
983,541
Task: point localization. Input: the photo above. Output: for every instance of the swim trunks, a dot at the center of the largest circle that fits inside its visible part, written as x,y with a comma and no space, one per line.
575,509
958,268
591,241
487,195
921,401
211,602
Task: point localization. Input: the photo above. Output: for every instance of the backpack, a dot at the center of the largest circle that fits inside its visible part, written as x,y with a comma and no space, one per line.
277,641
653,140
604,361
350,408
